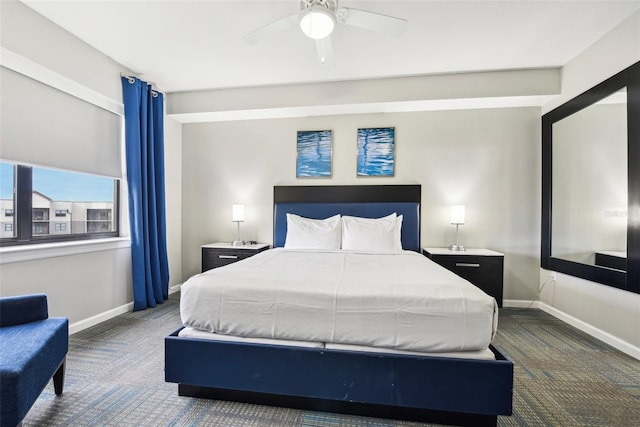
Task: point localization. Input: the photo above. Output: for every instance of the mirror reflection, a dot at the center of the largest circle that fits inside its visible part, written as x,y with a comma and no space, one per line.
589,193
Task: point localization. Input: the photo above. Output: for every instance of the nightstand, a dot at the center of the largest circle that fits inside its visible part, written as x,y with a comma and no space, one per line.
216,255
482,267
612,259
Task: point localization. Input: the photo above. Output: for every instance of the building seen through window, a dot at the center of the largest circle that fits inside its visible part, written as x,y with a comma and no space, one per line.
63,204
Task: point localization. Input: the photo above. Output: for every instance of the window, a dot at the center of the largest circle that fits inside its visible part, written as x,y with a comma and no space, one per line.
7,199
56,205
40,214
40,221
98,220
98,214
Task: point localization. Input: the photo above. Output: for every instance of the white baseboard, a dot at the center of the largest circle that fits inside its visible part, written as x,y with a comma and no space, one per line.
109,314
606,337
517,303
98,318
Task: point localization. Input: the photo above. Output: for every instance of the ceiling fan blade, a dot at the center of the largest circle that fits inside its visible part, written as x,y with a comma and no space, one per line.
372,21
282,24
324,48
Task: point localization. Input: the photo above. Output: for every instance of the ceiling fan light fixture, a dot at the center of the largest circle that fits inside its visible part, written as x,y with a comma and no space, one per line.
317,22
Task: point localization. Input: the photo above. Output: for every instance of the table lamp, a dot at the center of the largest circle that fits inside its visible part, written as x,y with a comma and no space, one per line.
457,218
237,215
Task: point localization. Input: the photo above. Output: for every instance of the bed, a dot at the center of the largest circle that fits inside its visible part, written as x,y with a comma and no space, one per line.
398,381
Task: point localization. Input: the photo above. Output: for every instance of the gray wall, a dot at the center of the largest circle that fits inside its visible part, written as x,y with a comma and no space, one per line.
485,159
610,313
88,283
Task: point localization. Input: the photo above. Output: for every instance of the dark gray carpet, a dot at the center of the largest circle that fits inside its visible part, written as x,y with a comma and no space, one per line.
115,377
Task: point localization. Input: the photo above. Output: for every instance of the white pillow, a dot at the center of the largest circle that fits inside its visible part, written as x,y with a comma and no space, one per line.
372,234
307,233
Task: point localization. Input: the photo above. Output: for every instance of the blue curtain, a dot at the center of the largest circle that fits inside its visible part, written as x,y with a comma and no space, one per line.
144,140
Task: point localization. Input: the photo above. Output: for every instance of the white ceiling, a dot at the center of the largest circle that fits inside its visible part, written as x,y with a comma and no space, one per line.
190,45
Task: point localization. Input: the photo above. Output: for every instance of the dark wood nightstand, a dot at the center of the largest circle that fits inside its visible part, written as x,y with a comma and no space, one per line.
482,267
216,255
612,259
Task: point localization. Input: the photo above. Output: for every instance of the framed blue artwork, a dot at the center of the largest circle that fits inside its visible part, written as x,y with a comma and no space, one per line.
376,152
314,154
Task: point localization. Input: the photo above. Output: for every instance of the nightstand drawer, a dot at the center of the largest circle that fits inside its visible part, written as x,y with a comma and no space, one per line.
214,255
484,271
214,258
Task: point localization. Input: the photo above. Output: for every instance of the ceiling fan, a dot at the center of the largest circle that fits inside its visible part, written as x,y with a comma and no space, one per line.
317,20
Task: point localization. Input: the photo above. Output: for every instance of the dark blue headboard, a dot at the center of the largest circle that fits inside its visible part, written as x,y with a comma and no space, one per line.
368,201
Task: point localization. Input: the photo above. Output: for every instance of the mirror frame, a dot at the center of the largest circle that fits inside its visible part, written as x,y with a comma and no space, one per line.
628,280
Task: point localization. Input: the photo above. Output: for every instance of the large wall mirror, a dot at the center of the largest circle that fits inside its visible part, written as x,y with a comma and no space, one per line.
591,184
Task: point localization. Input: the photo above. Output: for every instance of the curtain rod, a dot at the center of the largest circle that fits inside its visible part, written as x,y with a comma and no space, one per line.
132,79
129,77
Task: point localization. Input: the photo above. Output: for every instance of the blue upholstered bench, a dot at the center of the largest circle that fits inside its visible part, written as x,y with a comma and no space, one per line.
33,348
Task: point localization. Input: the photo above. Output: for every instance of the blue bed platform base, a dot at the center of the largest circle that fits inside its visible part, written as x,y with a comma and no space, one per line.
433,389
418,388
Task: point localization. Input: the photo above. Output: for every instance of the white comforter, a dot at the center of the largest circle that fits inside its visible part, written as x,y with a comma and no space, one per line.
399,301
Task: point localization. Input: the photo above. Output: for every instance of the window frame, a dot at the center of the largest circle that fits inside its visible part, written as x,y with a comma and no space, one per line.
23,211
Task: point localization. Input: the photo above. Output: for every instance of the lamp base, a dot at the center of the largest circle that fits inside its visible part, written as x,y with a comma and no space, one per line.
456,248
238,243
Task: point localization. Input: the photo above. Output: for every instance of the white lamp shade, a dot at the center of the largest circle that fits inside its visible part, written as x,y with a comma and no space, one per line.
237,213
457,214
317,23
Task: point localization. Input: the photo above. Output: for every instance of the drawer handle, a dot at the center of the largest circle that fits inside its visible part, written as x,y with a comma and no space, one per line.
228,256
467,264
